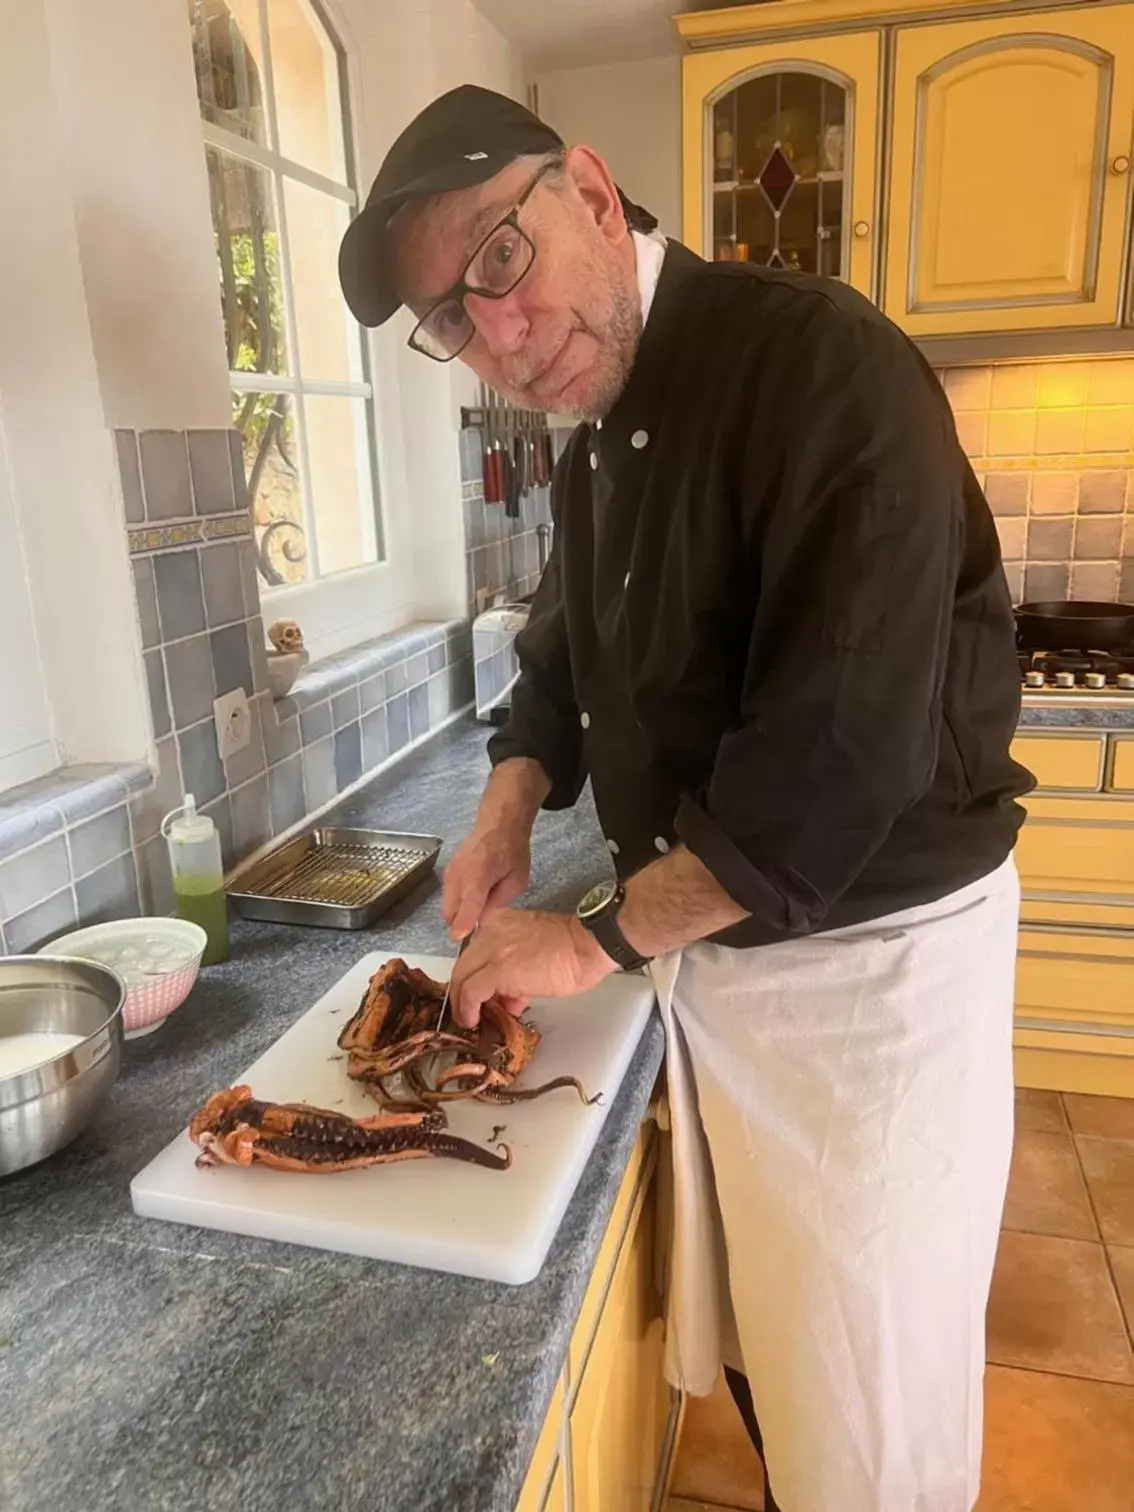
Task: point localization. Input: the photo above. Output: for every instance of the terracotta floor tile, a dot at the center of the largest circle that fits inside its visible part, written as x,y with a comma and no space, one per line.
1110,1117
1122,1264
1046,1194
1042,1110
1053,1307
1052,1444
1109,1168
715,1458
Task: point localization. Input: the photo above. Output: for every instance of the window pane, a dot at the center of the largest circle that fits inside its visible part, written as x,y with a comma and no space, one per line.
327,336
338,450
226,55
248,254
267,424
305,71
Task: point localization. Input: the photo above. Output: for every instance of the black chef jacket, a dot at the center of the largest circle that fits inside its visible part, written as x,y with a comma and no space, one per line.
774,625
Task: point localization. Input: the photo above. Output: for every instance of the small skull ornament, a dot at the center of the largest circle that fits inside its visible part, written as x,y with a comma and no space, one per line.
286,636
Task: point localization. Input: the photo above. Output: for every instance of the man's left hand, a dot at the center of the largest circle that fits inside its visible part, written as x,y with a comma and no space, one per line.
518,954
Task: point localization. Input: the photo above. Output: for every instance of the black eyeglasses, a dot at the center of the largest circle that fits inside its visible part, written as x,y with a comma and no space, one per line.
499,263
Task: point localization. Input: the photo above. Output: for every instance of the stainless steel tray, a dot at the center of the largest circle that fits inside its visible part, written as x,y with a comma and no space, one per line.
336,878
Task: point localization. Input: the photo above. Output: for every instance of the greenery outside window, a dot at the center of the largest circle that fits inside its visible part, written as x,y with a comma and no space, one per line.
272,87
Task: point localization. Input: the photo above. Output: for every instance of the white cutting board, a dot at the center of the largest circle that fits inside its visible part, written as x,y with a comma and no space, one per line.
444,1215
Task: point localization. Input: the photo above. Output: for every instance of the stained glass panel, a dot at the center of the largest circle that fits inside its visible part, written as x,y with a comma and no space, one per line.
777,178
778,151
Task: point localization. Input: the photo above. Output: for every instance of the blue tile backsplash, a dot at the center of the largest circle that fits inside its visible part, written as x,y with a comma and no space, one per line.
165,475
181,599
83,844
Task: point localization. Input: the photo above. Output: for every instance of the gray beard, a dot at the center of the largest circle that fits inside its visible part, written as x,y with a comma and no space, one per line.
622,335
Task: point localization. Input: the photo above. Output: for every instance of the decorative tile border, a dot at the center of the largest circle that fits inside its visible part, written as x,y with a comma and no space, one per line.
191,532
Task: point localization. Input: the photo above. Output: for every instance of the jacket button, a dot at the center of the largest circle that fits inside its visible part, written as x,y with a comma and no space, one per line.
626,581
598,425
661,844
594,461
585,720
639,439
612,847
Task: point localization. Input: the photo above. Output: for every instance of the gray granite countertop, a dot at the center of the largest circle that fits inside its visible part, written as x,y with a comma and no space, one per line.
1052,710
153,1366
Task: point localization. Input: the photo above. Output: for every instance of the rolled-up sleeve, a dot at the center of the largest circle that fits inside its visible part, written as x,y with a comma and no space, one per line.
544,718
854,528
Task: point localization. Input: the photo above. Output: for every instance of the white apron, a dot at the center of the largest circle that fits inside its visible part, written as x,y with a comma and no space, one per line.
840,1114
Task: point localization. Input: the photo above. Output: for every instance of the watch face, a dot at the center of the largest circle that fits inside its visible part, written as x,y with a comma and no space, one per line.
596,900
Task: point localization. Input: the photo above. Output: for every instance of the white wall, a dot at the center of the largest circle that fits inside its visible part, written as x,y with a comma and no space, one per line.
27,746
631,113
131,138
61,462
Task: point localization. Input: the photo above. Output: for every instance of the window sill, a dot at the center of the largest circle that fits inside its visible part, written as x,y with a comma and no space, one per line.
403,659
66,853
46,806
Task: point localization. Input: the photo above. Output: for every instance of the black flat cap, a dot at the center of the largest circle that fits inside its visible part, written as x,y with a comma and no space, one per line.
463,138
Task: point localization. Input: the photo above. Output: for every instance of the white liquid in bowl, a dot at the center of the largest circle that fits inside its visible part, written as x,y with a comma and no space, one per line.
20,1052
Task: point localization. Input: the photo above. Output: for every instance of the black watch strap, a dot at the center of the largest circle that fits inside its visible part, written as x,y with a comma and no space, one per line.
602,922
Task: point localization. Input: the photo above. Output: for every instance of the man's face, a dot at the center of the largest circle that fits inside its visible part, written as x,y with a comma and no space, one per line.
564,339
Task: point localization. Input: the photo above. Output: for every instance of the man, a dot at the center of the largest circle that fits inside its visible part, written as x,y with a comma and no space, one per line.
775,634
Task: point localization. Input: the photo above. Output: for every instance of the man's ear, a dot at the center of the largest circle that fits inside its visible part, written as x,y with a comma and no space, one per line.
592,179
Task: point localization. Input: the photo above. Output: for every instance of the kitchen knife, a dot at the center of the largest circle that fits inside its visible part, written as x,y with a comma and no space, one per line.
512,508
484,440
449,985
493,493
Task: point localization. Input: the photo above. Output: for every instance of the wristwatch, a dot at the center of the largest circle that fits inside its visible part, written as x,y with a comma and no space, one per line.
598,913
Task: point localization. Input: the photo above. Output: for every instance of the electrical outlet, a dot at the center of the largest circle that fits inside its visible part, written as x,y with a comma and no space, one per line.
234,722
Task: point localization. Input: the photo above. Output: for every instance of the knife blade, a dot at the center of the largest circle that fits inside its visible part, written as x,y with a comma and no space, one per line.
449,988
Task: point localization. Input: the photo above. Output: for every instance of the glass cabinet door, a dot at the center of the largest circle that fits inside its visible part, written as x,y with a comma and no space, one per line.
778,152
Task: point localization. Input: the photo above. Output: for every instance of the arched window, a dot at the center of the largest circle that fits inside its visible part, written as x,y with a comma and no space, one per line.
272,87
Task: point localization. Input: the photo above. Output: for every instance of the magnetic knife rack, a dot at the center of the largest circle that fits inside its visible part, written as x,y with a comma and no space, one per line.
518,451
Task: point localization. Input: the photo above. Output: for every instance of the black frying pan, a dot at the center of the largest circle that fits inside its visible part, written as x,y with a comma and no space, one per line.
1075,626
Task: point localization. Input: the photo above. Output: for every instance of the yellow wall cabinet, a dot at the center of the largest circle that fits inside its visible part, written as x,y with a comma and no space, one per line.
779,151
609,1434
992,194
1009,176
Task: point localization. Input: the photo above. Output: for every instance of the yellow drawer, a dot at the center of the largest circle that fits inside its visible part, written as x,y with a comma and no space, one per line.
1065,763
532,1497
1083,845
557,1493
1092,915
1075,977
1122,764
638,1173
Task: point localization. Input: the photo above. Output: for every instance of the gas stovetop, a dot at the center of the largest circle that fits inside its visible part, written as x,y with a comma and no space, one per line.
1105,674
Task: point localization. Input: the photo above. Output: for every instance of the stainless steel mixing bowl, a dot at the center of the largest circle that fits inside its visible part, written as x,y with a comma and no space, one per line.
42,1110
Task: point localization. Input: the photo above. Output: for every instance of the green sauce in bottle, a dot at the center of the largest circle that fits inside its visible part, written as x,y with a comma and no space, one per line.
198,876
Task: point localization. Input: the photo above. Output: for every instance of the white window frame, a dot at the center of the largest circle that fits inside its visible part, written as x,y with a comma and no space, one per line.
345,606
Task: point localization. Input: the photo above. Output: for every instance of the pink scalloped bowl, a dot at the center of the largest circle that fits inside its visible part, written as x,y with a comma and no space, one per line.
157,959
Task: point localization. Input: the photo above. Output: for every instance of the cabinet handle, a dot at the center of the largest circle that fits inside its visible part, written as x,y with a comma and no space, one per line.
1120,165
861,229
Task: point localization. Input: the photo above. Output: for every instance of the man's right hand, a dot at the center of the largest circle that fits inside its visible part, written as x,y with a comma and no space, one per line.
490,870
493,866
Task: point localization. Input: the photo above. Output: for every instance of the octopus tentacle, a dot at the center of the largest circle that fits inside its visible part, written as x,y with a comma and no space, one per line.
511,1094
234,1128
396,1032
